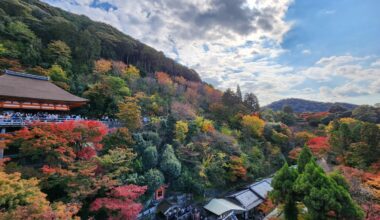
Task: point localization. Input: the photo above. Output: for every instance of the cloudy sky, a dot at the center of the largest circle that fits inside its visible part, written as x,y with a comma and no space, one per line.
321,50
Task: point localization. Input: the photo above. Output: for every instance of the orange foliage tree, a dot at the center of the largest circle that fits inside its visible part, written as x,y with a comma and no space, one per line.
103,66
236,168
164,79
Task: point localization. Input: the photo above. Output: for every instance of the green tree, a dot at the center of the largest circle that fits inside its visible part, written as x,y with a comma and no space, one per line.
251,102
58,52
59,76
105,95
287,109
283,192
121,138
238,93
150,157
323,196
117,163
3,50
370,134
153,178
28,44
365,113
170,165
304,158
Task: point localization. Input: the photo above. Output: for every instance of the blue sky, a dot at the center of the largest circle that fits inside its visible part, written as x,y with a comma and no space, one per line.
321,50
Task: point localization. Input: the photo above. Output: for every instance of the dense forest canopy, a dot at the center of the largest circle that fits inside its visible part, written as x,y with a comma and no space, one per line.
31,25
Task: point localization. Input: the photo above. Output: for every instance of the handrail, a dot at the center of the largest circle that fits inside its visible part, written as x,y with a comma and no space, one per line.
19,122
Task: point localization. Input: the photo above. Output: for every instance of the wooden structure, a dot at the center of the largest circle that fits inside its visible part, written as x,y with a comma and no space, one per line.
27,91
159,194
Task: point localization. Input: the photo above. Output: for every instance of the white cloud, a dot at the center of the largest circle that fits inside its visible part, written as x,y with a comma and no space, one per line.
243,38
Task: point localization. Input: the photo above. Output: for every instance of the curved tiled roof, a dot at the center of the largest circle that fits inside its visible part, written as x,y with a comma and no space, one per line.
19,85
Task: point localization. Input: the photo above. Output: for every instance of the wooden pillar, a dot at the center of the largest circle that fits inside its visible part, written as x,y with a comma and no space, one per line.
3,130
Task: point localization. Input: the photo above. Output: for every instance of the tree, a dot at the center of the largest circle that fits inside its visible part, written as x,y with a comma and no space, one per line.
181,129
116,163
105,95
57,144
283,192
323,197
336,108
164,79
365,113
238,93
253,125
153,178
131,73
150,157
130,113
370,134
103,66
23,199
170,165
120,203
304,158
59,76
318,145
287,109
251,102
59,53
205,125
119,138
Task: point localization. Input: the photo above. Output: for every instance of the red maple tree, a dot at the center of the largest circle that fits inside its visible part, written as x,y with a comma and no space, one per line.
121,202
318,145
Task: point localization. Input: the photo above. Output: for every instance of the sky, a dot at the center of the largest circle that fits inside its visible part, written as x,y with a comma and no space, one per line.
319,50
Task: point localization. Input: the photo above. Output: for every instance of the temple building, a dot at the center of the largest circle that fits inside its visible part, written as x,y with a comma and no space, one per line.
22,93
244,204
26,91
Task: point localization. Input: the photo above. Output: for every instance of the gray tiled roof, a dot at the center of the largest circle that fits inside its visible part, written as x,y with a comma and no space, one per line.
262,188
246,198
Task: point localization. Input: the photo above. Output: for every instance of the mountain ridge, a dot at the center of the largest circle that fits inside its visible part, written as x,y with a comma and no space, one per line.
304,105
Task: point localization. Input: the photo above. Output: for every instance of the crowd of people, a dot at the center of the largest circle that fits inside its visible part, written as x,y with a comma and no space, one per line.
38,116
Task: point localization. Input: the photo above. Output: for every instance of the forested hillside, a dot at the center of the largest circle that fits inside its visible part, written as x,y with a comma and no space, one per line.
27,28
301,105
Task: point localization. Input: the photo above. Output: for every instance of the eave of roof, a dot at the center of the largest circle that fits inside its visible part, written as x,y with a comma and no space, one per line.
19,87
221,206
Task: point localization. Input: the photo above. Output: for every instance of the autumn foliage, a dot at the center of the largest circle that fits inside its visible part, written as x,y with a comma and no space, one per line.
60,143
318,145
120,203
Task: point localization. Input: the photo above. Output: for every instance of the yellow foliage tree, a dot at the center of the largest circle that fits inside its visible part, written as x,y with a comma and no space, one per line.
253,125
181,129
130,113
131,73
205,125
23,199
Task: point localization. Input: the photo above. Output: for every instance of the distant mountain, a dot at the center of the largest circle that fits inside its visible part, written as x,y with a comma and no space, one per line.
302,105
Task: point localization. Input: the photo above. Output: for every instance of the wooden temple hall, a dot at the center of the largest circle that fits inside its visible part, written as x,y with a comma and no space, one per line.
26,94
32,92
